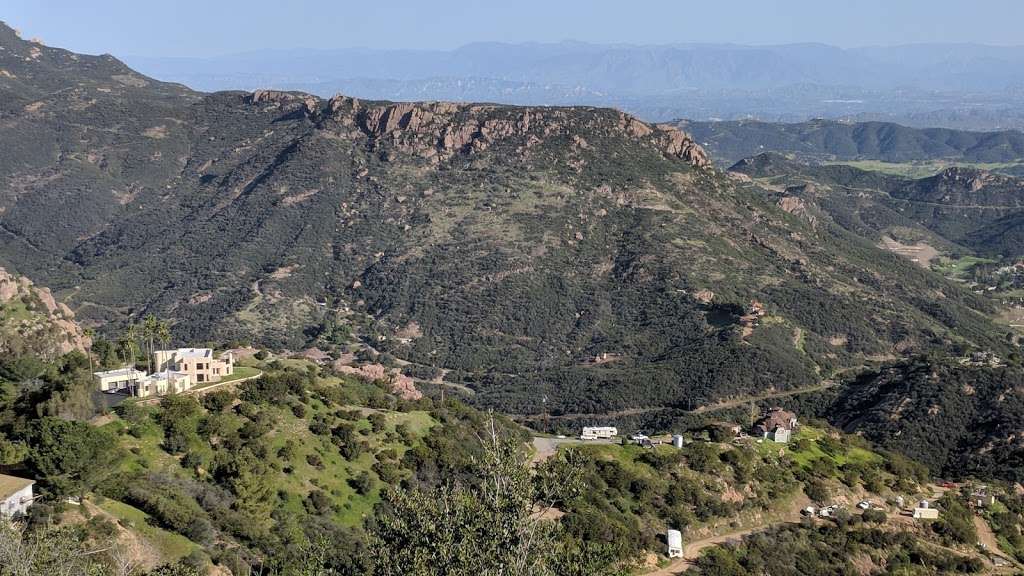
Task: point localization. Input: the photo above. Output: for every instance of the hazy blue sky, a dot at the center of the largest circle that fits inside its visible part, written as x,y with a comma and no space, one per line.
203,27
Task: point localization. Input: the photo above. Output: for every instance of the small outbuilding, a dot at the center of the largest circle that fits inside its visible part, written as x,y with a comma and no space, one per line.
675,544
924,511
598,432
776,425
15,495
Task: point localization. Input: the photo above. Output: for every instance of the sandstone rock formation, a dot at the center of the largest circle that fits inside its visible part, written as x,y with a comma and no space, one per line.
440,130
399,384
32,321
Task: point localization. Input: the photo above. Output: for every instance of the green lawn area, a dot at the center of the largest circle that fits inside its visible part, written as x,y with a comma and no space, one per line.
239,373
14,311
805,447
958,268
144,452
169,545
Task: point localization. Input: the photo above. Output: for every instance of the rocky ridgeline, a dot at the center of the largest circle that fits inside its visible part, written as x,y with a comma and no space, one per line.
438,131
31,320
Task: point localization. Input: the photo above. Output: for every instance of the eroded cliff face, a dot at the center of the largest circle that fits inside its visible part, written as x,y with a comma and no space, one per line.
438,131
31,321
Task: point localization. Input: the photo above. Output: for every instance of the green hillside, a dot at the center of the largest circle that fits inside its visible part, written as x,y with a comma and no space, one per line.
573,253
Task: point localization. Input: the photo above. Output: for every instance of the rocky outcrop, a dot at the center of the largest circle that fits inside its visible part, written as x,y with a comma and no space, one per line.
441,130
679,144
399,384
33,322
308,103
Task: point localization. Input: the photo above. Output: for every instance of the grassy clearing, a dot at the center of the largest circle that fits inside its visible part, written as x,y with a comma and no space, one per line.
15,311
145,451
240,372
809,444
924,169
170,546
958,267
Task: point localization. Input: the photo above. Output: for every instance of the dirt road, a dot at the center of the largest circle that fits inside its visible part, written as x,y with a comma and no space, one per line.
546,447
693,550
698,410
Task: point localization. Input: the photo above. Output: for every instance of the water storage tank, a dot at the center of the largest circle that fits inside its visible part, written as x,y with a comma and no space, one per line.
677,441
675,544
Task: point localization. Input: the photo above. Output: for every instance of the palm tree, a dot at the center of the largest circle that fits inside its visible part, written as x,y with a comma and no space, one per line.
130,339
163,334
123,350
90,334
149,329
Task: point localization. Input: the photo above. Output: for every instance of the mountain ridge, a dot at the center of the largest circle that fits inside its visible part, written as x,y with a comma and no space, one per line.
831,140
518,246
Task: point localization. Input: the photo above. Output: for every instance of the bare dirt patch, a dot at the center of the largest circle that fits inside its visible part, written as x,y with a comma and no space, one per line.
297,198
283,272
921,253
155,132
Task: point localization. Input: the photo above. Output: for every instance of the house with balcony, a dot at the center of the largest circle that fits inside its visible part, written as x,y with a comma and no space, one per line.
201,365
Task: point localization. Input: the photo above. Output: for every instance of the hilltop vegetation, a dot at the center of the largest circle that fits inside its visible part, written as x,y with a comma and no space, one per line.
293,468
302,468
511,247
959,420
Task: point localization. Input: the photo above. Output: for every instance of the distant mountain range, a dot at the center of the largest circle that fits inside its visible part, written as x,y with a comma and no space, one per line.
955,85
830,140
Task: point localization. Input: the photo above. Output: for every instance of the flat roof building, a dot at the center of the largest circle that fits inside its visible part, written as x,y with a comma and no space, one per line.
15,495
161,383
121,380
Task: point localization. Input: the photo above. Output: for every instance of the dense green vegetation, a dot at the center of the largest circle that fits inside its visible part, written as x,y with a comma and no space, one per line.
292,474
959,420
843,548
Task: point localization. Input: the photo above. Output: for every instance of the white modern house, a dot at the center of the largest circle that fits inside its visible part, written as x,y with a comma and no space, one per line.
15,495
161,383
599,432
121,380
177,371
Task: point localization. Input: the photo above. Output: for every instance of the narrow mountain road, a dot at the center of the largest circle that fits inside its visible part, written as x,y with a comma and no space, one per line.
725,404
988,538
693,550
